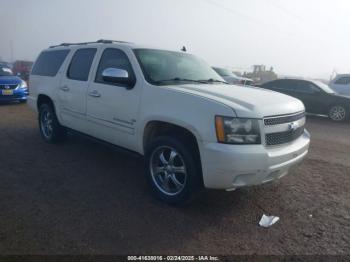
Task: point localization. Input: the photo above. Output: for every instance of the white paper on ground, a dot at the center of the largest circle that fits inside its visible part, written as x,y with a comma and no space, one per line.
267,221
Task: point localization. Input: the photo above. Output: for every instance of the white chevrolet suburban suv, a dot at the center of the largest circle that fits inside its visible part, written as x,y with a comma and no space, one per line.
194,129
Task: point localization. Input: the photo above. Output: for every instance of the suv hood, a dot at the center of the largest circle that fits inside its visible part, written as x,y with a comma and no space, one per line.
250,102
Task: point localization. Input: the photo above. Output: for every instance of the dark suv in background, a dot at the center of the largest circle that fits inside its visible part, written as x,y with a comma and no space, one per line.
317,97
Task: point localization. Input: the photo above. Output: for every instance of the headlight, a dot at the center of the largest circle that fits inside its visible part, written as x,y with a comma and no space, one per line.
237,130
23,85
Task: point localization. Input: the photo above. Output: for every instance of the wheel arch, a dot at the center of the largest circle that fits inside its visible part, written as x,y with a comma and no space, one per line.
157,128
43,99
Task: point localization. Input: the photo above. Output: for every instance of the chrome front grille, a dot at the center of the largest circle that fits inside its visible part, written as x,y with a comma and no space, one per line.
8,87
283,137
269,121
283,129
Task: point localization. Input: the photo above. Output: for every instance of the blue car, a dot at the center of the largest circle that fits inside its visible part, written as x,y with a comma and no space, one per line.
12,88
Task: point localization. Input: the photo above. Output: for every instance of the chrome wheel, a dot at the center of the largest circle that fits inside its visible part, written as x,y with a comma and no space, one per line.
337,113
46,123
168,170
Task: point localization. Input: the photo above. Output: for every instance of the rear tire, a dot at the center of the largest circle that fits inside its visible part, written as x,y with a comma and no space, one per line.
171,170
338,113
50,128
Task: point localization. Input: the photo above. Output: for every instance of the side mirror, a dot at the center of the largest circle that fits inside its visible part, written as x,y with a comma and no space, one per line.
117,76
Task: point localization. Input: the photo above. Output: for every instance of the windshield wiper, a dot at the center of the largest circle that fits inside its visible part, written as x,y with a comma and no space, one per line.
211,80
178,79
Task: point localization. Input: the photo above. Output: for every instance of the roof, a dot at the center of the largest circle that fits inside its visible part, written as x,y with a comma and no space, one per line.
315,81
292,78
101,41
105,41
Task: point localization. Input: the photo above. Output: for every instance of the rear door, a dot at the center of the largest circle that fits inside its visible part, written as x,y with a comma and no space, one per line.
312,96
284,86
292,88
73,88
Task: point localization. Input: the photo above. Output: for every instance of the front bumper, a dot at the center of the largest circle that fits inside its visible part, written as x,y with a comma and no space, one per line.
18,95
232,166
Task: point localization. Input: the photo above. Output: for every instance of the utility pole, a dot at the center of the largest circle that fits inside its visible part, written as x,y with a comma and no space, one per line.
11,50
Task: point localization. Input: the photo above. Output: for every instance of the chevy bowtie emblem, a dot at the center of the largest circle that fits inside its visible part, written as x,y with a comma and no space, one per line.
293,126
7,87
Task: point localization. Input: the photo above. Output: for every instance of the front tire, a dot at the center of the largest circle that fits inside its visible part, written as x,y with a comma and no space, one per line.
338,113
171,170
50,128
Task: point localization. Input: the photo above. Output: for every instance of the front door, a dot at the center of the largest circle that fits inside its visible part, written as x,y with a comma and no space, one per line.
112,108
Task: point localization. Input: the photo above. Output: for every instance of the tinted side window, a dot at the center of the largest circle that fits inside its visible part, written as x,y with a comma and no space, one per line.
305,87
113,58
49,62
80,65
272,84
281,85
343,81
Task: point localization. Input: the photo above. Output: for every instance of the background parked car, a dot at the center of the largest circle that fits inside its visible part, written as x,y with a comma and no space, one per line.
341,84
22,69
317,97
12,88
232,78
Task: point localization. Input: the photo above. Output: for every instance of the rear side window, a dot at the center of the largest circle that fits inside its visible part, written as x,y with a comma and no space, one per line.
279,84
269,84
305,87
49,62
80,65
343,81
113,58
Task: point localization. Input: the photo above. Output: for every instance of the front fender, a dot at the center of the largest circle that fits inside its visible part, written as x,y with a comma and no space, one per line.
189,111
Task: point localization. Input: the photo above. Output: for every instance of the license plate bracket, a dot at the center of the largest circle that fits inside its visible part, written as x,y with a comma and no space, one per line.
7,92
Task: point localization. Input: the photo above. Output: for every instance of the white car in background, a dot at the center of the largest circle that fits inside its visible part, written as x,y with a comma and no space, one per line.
341,84
232,78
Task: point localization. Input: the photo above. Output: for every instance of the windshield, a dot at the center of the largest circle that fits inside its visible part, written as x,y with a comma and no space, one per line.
167,67
5,71
324,87
223,71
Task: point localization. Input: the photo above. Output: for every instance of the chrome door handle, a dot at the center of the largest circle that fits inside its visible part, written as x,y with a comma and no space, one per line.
94,93
64,88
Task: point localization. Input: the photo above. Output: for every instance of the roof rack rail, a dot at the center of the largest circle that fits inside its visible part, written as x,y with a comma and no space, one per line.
100,41
107,41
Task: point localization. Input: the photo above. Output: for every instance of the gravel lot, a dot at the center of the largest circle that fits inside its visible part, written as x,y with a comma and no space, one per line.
84,198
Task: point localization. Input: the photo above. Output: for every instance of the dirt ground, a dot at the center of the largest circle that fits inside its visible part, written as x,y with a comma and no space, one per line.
84,198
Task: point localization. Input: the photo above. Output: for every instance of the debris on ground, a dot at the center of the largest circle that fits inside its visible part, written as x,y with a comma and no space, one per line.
267,221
